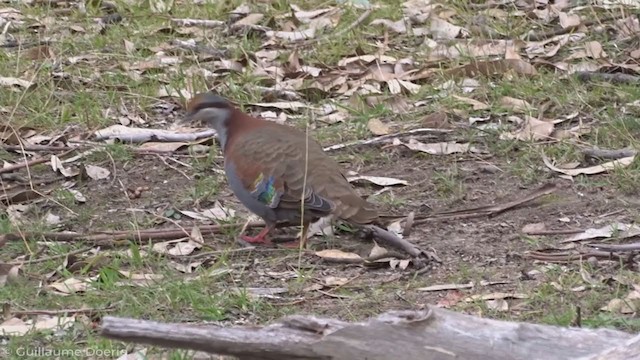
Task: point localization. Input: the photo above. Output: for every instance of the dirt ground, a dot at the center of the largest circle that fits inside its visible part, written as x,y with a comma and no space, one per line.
489,249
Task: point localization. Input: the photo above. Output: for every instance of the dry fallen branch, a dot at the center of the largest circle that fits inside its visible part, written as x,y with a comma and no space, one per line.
554,232
488,210
428,335
387,138
83,311
212,24
608,154
617,78
569,256
114,238
38,160
617,247
140,135
29,147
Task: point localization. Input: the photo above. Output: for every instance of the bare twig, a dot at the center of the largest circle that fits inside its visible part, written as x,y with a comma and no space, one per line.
617,78
555,232
28,147
38,160
53,257
173,167
566,256
338,34
387,138
567,30
87,311
617,247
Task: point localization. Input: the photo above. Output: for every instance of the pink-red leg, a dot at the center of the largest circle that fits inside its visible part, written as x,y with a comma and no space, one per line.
260,238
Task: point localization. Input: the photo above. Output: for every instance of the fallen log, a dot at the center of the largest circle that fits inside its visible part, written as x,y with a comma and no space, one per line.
432,334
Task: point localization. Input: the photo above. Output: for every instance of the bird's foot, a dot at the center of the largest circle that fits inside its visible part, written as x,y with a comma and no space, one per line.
258,239
261,238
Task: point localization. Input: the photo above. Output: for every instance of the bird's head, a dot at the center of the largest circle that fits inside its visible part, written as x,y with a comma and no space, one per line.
210,110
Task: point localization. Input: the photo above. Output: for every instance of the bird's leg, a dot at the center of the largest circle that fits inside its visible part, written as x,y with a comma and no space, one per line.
261,237
302,240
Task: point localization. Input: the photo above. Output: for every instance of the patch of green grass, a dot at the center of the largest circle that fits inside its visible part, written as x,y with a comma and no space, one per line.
448,183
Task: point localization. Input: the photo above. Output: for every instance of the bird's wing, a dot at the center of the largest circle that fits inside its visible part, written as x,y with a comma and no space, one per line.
271,168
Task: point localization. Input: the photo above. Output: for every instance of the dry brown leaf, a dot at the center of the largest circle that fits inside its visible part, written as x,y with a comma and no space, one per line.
368,59
19,327
15,83
398,27
569,20
129,47
71,286
621,230
19,195
594,50
334,254
474,48
627,27
163,146
400,264
397,104
153,63
444,30
477,105
324,226
40,53
251,19
591,170
293,35
498,305
535,227
164,246
216,213
16,212
377,250
306,16
184,248
52,219
492,67
446,287
8,273
629,305
56,165
160,6
282,105
378,180
186,268
441,148
77,195
96,172
141,280
533,129
514,104
377,127
334,281
496,296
